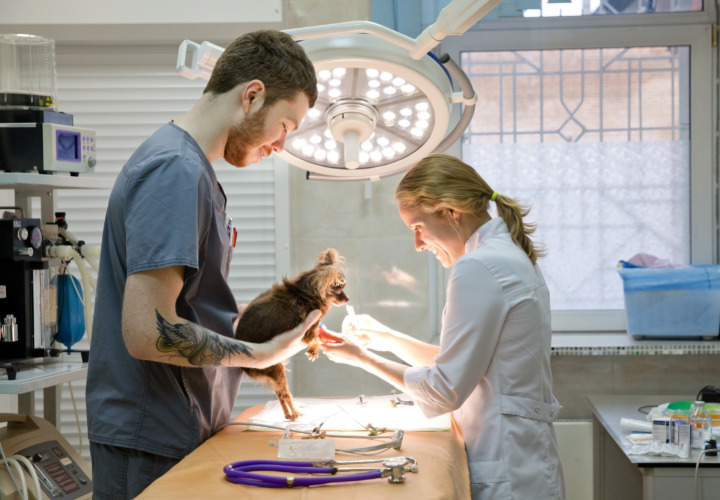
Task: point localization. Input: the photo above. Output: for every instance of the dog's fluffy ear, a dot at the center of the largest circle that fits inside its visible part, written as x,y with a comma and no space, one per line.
329,257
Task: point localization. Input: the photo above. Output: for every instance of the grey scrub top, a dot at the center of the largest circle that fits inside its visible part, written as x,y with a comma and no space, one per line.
166,209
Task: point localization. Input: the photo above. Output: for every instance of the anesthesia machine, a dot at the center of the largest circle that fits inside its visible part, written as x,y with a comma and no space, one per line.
38,297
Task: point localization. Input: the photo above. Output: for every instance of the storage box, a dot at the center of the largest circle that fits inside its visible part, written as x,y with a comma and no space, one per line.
672,302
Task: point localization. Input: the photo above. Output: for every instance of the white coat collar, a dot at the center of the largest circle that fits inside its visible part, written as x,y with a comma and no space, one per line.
493,227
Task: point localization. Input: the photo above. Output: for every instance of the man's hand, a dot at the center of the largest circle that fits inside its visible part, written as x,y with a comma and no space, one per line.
287,344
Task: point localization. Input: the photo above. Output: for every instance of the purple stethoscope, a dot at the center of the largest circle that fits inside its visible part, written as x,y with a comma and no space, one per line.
244,472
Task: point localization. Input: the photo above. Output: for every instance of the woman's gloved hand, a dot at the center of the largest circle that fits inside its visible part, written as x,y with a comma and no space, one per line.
366,331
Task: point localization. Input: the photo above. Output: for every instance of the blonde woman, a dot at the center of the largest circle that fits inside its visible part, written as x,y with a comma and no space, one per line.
492,367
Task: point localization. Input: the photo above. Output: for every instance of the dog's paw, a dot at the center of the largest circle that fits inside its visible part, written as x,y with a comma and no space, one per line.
312,353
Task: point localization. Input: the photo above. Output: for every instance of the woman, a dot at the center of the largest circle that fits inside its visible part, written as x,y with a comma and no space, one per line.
492,368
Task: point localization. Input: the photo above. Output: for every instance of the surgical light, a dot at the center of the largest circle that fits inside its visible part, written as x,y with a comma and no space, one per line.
384,101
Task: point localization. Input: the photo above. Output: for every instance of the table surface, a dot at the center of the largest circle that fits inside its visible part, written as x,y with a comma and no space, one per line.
40,373
609,409
442,469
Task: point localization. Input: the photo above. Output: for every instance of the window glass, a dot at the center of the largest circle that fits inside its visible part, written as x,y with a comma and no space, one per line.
555,8
597,142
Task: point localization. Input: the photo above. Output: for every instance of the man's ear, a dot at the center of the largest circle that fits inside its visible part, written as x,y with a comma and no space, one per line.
253,96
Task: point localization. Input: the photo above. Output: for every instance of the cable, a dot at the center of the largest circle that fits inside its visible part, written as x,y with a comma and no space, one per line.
77,417
697,466
12,478
15,464
32,472
646,409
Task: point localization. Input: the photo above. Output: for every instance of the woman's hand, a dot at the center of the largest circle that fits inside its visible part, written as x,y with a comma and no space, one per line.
344,351
366,331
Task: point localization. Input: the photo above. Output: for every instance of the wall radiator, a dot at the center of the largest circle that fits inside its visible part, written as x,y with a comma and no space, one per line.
575,442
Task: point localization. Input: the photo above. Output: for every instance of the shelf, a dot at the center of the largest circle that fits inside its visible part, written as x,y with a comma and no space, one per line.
33,375
28,185
25,181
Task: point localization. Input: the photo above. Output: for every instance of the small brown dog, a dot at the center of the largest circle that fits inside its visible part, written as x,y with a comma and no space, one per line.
285,306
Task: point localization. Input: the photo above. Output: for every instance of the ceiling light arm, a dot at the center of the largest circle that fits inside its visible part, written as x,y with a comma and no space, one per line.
352,27
206,54
468,98
204,57
455,19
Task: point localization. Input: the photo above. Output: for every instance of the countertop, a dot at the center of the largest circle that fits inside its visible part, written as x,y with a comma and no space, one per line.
622,344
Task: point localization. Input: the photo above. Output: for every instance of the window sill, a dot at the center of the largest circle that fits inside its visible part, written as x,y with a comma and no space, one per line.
622,344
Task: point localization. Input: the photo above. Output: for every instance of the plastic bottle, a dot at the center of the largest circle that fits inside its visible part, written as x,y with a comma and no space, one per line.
701,425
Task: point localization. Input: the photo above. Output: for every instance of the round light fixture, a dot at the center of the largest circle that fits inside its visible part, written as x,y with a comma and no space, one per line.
378,111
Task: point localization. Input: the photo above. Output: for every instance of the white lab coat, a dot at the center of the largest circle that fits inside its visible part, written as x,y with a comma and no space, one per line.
493,370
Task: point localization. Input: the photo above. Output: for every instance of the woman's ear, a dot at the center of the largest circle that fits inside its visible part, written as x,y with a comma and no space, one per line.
453,214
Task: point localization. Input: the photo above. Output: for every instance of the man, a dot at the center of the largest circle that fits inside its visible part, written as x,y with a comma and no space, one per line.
164,365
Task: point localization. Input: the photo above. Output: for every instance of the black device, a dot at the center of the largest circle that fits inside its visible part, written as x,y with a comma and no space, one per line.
24,290
43,141
709,394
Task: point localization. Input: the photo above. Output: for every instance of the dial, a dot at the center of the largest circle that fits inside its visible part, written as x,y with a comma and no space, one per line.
35,237
22,234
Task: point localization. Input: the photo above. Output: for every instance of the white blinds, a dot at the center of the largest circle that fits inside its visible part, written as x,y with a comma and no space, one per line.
125,93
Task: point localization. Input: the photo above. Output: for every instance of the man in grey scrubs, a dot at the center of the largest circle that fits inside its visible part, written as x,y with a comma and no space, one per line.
164,367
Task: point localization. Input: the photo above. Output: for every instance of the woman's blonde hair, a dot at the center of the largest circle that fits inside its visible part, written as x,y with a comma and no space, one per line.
440,182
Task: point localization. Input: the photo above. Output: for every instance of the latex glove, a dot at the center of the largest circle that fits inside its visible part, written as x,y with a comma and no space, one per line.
366,331
345,351
325,335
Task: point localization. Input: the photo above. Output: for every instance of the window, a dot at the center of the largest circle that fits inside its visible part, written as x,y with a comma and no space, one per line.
607,133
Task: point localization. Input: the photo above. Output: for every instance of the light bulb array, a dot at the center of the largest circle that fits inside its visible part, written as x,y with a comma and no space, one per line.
402,115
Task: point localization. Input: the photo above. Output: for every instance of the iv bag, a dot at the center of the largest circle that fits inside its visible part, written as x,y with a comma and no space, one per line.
71,315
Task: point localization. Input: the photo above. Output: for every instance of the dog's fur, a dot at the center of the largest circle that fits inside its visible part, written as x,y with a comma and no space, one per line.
285,306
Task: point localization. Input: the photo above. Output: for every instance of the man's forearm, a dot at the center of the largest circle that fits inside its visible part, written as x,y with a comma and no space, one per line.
196,344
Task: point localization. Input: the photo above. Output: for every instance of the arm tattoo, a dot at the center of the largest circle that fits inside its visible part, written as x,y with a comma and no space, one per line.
197,344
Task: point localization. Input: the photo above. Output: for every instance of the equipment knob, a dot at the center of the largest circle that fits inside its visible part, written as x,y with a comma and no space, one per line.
91,161
37,457
26,251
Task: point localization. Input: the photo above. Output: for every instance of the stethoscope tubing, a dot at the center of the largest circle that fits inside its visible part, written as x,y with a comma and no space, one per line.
242,473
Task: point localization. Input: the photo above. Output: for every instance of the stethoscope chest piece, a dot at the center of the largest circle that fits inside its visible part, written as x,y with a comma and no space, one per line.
396,468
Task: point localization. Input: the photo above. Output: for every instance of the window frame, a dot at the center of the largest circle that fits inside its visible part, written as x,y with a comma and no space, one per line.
695,30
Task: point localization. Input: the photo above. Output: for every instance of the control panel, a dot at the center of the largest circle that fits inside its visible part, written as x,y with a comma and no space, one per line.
20,239
59,475
67,148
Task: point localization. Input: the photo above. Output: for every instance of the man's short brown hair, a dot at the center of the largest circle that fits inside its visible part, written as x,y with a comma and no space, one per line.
270,56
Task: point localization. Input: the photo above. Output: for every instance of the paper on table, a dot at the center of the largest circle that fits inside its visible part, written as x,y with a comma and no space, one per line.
347,414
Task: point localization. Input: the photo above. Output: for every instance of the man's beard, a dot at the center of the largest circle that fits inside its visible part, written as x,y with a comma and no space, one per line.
244,136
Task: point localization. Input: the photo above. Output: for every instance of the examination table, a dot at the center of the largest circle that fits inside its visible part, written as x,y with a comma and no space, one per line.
442,469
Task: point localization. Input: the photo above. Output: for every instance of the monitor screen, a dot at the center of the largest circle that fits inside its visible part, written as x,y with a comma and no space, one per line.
68,145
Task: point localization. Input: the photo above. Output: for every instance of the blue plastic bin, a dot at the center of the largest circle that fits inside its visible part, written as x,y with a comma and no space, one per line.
672,302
